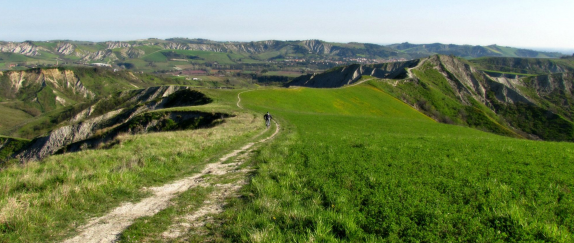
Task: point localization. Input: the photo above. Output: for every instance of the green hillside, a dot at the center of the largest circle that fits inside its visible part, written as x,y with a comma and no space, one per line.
362,100
351,164
64,190
525,65
384,172
517,97
40,104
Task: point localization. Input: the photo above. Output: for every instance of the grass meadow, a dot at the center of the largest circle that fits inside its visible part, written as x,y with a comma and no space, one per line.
48,200
11,117
355,165
350,165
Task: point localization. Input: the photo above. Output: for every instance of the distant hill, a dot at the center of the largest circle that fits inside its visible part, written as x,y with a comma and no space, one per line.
525,65
34,100
468,51
156,54
519,97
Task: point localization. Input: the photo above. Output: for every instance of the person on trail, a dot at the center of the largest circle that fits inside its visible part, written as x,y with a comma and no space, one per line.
267,118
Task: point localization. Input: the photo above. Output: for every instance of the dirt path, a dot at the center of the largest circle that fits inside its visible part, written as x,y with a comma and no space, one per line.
357,83
108,227
239,98
215,202
409,70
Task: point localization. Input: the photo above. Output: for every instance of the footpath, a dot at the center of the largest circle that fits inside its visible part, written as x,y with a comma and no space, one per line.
108,228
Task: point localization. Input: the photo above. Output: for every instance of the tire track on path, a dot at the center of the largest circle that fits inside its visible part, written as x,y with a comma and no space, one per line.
107,228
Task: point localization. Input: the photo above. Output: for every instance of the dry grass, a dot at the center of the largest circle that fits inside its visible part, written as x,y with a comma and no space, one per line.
44,200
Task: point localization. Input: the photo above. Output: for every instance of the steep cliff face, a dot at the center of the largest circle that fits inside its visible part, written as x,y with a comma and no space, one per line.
350,74
100,55
547,84
63,81
205,47
131,53
253,47
65,48
117,44
249,48
467,80
318,47
37,91
44,146
175,46
134,103
525,65
24,48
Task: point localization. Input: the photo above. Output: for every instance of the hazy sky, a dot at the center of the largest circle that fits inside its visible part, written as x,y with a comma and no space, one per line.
520,23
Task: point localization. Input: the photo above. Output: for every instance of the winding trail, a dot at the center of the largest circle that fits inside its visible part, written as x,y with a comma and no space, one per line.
239,98
356,83
107,228
409,70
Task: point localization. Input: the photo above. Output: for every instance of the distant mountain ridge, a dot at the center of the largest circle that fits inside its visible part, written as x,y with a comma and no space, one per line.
116,51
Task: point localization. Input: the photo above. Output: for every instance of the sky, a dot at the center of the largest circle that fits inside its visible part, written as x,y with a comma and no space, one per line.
518,23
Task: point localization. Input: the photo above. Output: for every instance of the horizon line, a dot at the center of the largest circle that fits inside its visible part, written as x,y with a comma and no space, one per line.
542,49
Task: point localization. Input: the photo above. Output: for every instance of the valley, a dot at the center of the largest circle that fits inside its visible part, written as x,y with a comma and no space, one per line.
202,62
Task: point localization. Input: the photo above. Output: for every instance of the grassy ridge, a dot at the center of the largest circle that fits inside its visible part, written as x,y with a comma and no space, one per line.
40,101
363,175
361,100
46,201
435,97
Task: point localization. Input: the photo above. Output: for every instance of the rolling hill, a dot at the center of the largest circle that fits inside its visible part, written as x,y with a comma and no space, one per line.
34,100
156,54
534,101
362,161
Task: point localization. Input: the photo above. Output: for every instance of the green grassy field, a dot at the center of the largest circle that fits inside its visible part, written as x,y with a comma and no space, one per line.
47,200
352,164
356,165
11,117
155,57
13,57
148,49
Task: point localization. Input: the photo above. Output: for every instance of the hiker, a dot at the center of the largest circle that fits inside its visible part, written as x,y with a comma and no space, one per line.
267,118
